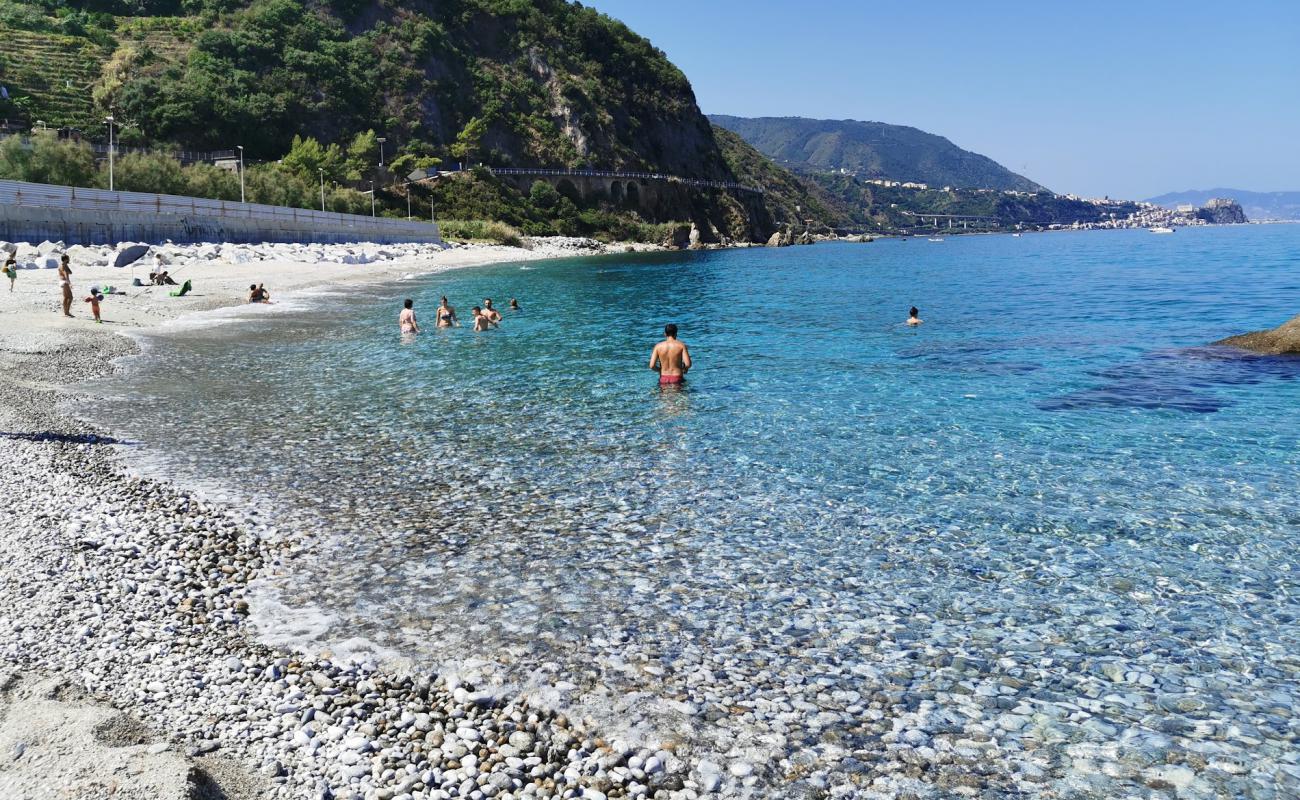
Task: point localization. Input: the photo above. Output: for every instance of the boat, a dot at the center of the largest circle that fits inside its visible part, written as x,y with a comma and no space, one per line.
1161,229
936,238
1016,235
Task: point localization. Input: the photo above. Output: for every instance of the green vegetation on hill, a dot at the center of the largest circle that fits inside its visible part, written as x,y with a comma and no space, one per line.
539,83
872,150
790,198
872,207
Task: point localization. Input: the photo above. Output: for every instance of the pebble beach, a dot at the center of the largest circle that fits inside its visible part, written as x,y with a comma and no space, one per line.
911,661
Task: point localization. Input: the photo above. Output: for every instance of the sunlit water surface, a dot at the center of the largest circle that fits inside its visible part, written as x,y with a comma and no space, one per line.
1052,474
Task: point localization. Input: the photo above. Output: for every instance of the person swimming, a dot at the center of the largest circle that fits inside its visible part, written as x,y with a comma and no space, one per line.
514,304
914,317
406,318
445,316
482,322
491,313
670,358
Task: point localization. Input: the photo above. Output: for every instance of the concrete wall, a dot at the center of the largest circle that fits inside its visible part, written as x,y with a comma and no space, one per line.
36,212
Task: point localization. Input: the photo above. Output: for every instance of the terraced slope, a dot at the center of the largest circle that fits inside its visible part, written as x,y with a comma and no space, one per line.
56,74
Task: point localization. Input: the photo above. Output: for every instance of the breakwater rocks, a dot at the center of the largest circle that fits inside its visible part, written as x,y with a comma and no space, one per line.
1282,340
135,592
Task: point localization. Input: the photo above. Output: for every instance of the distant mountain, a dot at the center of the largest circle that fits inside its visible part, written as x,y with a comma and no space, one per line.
872,150
1257,205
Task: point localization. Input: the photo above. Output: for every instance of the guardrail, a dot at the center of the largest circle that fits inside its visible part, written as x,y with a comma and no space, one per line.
73,198
652,176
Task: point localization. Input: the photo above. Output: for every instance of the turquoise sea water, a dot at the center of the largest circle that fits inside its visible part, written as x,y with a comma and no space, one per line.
1053,480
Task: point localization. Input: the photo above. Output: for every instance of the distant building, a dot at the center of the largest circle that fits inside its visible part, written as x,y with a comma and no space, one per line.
1185,208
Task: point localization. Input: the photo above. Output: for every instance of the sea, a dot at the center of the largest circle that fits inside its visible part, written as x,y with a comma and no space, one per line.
1054,516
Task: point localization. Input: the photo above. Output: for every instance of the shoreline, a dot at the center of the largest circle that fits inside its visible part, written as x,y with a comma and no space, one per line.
128,599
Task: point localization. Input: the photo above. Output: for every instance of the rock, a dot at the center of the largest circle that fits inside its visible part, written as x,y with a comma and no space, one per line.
1282,340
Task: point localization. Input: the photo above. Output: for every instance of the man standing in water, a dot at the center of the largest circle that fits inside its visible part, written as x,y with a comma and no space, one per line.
491,313
670,358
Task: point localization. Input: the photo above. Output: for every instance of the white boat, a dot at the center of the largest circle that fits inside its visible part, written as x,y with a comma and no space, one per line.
1016,235
936,238
1161,229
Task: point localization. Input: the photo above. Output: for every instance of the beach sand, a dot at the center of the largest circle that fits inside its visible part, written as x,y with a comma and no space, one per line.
126,668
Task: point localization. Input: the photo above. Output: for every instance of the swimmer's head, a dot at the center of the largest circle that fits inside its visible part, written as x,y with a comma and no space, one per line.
914,312
487,301
408,303
477,310
670,330
444,299
252,287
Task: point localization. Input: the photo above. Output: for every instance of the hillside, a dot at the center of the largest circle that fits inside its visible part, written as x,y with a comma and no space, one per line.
872,150
1256,205
535,83
790,198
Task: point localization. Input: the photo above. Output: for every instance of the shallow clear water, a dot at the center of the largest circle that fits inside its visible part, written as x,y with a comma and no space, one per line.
1053,474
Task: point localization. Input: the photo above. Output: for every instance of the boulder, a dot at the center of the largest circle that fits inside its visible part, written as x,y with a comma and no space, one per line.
678,238
47,248
1282,340
8,247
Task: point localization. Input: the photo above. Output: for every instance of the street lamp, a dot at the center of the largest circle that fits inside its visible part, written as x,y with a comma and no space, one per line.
240,148
109,120
381,151
322,188
372,198
408,202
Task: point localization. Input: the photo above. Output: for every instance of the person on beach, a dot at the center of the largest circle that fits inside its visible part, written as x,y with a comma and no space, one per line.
914,317
94,300
406,318
256,294
670,358
491,313
65,283
481,321
514,304
445,316
11,272
161,279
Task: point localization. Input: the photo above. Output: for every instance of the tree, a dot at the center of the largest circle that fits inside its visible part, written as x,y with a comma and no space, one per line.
205,180
363,154
156,173
470,140
48,160
307,157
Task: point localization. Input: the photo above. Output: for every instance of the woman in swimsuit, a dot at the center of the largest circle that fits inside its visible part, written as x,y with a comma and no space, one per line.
406,319
446,315
65,282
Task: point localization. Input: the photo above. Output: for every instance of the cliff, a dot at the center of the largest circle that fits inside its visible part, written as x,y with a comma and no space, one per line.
1282,340
1221,211
536,83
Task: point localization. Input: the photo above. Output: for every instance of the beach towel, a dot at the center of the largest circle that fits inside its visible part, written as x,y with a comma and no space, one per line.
184,290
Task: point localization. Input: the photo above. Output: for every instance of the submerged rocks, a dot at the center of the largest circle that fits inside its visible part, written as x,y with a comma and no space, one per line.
1282,340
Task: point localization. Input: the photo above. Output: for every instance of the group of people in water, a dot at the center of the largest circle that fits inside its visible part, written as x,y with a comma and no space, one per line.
671,358
486,316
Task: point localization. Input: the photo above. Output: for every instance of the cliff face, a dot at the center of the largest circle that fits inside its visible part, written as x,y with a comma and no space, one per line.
537,83
1222,211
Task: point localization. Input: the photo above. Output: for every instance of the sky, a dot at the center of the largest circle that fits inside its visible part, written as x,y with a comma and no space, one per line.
1127,99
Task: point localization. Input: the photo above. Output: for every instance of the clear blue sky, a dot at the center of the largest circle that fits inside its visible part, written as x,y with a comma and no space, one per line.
1130,99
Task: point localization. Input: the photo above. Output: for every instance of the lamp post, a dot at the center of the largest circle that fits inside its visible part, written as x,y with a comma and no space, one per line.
322,188
372,198
109,120
240,148
408,202
381,151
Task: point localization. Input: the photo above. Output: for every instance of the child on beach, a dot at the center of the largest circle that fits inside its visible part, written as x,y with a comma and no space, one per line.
94,299
11,271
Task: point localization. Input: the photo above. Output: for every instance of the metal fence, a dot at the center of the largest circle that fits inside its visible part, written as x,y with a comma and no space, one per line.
72,198
100,149
650,176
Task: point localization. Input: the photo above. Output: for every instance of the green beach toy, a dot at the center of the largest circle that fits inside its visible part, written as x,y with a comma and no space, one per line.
184,290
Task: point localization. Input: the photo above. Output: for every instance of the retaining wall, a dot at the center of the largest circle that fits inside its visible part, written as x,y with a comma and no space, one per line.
32,212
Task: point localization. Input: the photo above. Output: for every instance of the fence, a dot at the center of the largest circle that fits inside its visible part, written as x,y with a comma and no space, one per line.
101,215
650,176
